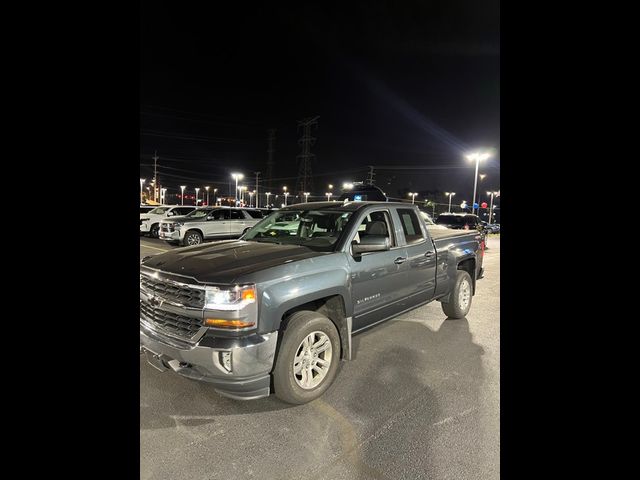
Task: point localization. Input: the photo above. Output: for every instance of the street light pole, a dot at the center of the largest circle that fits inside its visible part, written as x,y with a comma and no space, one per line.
306,197
268,194
450,194
286,194
413,197
197,190
142,180
182,187
236,177
207,189
477,156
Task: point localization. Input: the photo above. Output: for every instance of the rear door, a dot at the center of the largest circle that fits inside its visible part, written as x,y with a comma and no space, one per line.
421,258
237,222
217,224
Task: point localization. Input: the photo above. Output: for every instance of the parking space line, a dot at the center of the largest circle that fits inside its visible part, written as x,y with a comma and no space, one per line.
155,248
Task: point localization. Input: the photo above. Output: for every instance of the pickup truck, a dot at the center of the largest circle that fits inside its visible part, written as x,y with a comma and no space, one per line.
276,309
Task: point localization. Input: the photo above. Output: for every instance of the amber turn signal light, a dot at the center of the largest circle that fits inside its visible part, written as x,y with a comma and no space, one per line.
222,323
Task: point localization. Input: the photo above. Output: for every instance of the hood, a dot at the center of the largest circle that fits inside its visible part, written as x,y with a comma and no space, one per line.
224,262
179,218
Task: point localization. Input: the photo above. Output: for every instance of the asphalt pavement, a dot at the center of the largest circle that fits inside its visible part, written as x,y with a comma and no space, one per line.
420,399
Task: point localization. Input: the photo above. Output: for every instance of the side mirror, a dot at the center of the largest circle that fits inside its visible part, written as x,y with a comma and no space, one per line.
169,214
371,243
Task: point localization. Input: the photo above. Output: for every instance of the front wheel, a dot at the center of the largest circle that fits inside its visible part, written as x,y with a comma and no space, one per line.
460,298
192,237
308,359
155,229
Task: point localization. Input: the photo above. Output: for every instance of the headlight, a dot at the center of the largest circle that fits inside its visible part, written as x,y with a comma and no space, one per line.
232,298
178,224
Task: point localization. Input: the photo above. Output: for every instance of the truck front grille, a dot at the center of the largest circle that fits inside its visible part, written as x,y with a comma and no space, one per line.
177,325
167,227
173,292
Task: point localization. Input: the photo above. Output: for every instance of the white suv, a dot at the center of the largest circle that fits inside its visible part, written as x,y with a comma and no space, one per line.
150,221
209,223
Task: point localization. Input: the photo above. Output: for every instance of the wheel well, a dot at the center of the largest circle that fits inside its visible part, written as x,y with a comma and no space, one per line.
195,230
331,307
469,266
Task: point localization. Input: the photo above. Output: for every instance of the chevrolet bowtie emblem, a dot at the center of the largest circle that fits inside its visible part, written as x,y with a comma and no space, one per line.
156,302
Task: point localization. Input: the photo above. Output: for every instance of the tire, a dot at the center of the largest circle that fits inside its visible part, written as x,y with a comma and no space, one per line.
192,237
457,306
154,230
287,384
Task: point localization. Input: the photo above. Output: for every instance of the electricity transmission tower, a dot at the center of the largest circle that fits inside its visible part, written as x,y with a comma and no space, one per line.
370,180
305,180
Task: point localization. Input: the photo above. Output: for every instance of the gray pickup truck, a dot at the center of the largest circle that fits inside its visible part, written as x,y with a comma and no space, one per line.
276,309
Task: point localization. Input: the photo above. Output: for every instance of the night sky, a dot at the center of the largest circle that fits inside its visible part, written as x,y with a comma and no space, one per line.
412,85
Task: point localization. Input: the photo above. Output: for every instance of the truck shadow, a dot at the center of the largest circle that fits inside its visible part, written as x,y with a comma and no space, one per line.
399,388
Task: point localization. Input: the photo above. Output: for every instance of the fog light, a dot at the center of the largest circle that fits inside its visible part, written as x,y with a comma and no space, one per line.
225,360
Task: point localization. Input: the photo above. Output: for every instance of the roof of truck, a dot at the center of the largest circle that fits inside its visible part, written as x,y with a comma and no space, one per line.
348,206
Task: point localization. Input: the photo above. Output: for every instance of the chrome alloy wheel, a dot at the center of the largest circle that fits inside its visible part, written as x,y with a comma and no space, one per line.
464,295
193,239
313,360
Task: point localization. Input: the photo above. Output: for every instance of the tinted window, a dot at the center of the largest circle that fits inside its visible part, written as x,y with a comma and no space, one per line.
254,213
220,214
182,211
410,226
237,215
450,220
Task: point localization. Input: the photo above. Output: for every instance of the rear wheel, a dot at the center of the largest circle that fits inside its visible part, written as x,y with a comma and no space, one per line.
460,299
192,237
155,228
308,358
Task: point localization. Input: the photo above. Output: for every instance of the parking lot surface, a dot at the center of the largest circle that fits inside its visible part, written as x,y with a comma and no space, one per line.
420,399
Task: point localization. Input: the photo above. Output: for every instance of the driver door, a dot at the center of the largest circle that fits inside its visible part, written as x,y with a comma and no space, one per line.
377,278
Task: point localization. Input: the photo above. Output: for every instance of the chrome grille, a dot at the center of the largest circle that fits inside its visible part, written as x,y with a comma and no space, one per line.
177,325
173,292
167,227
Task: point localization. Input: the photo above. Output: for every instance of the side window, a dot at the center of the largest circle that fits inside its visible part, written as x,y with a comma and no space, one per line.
375,223
184,211
410,226
237,215
220,214
253,213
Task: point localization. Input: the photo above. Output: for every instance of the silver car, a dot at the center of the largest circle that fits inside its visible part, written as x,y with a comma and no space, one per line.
210,223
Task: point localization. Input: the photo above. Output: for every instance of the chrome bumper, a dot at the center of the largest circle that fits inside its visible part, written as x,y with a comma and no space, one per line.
252,359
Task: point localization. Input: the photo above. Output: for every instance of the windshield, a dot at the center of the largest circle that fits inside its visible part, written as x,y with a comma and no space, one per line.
317,229
158,211
450,220
199,213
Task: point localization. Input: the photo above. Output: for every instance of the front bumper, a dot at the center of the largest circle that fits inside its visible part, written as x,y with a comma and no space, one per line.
173,236
252,359
145,227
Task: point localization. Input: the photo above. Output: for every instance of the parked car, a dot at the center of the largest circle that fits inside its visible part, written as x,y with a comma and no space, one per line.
209,223
429,222
495,227
273,311
459,221
150,221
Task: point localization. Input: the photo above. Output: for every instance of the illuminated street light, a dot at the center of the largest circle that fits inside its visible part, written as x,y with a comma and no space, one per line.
236,177
449,194
182,187
347,186
214,194
251,198
286,194
306,197
413,196
328,194
478,157
268,194
142,180
243,189
330,186
197,190
163,195
207,189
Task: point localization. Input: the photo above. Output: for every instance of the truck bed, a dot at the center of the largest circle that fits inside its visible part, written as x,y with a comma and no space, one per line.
441,234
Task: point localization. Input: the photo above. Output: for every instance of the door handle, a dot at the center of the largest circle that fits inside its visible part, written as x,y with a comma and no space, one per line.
400,260
428,254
